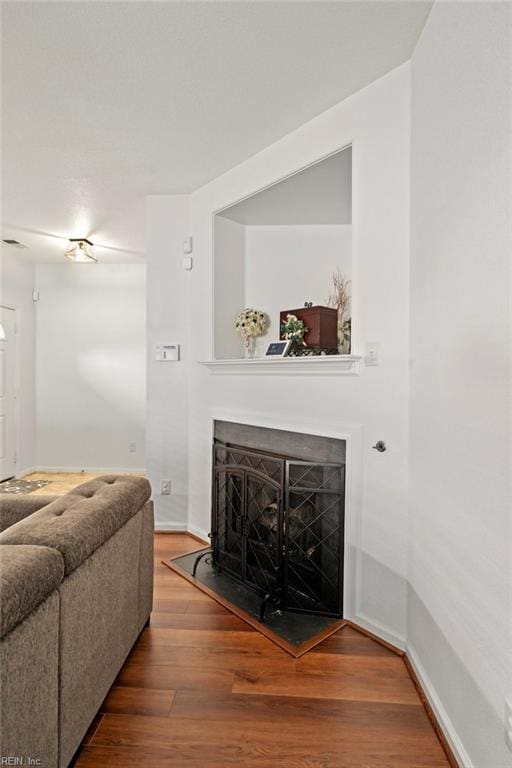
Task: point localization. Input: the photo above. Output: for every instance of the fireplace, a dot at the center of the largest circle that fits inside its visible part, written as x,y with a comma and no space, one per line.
278,517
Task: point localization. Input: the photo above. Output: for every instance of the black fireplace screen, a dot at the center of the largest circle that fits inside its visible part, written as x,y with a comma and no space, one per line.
278,527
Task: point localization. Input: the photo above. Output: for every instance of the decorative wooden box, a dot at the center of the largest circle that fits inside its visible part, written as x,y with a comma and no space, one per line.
322,325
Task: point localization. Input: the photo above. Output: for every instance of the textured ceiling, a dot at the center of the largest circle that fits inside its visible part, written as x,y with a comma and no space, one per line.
104,103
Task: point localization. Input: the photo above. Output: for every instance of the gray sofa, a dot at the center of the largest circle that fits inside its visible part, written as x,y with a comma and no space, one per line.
76,581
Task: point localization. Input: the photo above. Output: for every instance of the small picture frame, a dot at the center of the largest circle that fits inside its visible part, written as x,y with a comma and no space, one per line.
278,348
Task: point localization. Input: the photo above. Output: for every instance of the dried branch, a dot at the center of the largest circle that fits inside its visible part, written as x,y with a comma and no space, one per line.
339,298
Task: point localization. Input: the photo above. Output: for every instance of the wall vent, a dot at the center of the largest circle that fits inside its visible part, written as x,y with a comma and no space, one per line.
17,243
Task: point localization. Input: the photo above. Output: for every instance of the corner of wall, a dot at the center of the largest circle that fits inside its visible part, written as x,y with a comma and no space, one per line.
168,288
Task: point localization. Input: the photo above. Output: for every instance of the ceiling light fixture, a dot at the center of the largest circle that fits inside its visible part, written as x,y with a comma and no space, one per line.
80,250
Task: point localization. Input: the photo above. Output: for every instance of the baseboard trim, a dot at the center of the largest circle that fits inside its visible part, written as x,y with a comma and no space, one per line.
24,472
170,527
199,534
443,726
183,528
379,632
103,470
377,638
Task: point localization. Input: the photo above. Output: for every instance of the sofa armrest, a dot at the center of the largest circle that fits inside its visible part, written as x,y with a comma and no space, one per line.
146,563
15,507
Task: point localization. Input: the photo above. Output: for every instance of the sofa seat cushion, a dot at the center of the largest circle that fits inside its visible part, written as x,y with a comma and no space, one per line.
15,507
79,522
28,575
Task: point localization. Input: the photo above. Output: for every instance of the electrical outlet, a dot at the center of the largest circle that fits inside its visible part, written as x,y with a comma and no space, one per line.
165,487
132,446
508,723
372,353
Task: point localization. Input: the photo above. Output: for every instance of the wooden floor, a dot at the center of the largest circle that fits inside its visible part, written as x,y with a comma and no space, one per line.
62,482
201,689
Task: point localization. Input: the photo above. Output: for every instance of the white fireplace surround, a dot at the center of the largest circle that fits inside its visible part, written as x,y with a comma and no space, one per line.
352,435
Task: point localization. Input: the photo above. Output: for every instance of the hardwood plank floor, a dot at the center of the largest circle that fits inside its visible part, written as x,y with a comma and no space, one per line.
62,482
129,700
202,689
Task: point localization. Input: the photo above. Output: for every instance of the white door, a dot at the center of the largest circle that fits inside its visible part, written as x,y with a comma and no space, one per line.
7,393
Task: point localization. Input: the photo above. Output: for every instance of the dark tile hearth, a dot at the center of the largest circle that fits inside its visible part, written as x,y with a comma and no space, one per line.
22,486
294,629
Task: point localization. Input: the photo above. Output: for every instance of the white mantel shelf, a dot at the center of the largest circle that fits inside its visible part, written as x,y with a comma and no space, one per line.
321,365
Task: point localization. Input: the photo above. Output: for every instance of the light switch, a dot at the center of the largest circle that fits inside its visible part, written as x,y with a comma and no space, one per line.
372,353
166,353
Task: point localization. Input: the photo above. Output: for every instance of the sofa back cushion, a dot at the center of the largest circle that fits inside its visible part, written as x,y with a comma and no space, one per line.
15,507
28,575
79,522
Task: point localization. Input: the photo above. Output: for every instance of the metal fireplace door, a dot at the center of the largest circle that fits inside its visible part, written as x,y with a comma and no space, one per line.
248,530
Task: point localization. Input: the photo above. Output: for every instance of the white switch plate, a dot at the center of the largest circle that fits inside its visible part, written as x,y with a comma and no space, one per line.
508,723
132,446
167,352
165,487
188,245
372,353
188,263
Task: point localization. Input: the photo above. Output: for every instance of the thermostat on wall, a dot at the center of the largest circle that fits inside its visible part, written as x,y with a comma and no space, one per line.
167,352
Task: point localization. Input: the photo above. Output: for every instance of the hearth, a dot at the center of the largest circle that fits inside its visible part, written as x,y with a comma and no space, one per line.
278,525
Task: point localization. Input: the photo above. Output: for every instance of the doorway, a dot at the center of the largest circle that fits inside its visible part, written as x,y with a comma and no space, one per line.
7,393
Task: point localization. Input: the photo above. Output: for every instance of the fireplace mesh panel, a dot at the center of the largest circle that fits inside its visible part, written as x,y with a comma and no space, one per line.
278,527
262,546
230,515
314,536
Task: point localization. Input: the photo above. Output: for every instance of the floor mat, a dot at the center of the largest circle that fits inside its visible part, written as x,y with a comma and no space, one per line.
22,486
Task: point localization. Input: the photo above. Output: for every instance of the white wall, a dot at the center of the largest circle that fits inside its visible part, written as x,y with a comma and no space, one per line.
167,414
229,285
16,286
288,265
369,407
91,365
460,532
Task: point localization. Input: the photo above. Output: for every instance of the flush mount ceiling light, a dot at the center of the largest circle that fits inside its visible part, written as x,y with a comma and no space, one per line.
80,250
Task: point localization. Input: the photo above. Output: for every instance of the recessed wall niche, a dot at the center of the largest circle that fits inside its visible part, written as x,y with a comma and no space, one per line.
280,247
